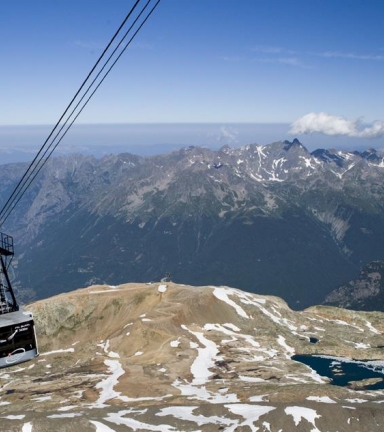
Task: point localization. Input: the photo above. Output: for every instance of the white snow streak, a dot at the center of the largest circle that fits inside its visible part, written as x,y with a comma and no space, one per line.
289,350
222,294
118,419
373,330
70,350
107,385
186,413
204,360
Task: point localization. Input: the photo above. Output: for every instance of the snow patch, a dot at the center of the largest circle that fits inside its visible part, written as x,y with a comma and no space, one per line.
373,330
250,379
251,413
361,345
14,417
299,413
356,400
323,399
222,294
289,350
231,326
119,419
101,427
42,398
27,427
205,358
107,385
186,413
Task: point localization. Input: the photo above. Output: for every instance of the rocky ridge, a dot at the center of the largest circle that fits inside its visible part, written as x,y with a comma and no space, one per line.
168,357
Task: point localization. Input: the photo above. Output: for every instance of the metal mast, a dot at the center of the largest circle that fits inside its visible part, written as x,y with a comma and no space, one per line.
8,301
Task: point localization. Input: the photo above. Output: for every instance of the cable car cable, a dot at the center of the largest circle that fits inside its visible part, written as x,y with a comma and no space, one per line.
5,217
26,184
77,93
9,206
68,107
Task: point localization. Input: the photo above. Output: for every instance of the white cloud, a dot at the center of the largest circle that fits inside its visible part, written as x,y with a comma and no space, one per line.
275,54
291,61
268,49
230,58
227,135
352,56
335,125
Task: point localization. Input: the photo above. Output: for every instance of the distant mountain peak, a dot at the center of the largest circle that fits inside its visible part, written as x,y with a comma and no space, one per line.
371,154
328,156
294,143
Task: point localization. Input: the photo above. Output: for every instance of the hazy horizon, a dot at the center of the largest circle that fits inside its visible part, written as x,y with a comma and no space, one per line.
21,143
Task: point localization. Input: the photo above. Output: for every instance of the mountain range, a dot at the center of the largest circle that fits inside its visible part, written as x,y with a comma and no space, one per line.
272,219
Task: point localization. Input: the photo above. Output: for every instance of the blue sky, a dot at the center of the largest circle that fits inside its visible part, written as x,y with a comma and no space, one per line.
315,66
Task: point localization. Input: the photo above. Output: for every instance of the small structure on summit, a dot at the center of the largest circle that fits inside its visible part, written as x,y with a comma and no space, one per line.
166,278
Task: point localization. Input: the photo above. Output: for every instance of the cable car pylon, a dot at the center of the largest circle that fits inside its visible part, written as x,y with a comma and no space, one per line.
17,329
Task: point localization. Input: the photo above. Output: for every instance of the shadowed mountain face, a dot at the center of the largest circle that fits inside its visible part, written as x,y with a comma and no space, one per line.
363,293
269,219
166,357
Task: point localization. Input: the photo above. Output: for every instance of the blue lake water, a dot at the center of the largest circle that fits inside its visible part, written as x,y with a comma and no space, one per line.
343,370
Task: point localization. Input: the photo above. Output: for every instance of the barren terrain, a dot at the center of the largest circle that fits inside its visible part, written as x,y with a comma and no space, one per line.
167,357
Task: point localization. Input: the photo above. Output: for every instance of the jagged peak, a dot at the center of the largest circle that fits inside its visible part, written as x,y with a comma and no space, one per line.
370,154
328,156
291,144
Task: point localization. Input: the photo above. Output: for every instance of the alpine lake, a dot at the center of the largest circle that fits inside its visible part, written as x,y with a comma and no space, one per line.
357,374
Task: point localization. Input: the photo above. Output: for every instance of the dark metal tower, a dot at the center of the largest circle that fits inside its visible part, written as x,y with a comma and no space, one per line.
8,301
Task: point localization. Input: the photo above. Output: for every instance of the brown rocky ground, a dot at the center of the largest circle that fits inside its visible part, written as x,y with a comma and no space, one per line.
191,358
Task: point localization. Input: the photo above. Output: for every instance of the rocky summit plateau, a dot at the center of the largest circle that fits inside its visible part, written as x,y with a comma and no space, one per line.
170,357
